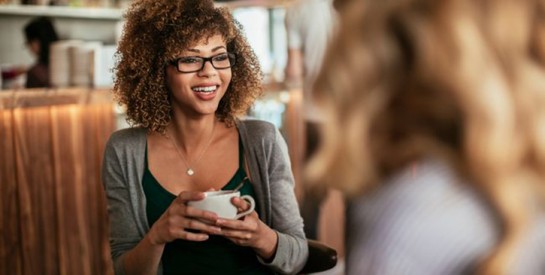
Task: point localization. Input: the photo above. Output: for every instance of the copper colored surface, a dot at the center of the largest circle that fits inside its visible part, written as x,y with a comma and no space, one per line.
52,209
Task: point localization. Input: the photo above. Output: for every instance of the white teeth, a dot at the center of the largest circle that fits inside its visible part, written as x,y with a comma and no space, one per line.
208,89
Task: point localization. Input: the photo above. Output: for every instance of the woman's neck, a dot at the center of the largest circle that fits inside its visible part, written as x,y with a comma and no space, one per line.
192,134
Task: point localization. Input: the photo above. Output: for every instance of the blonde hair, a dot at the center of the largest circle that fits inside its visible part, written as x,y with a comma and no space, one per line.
461,80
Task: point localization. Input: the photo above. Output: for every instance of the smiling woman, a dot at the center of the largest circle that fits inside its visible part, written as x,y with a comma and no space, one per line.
198,85
185,74
140,73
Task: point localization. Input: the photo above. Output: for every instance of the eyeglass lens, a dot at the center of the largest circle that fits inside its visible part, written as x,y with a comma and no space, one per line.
195,63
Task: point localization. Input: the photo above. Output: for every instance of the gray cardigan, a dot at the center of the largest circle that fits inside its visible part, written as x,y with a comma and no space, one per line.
269,167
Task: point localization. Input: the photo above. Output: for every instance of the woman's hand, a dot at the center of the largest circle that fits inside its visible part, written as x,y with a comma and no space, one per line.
249,231
184,222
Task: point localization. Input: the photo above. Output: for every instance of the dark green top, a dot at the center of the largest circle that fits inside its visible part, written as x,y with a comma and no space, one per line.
217,255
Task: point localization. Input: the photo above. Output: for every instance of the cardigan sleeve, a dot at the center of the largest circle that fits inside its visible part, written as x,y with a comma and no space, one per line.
292,248
123,229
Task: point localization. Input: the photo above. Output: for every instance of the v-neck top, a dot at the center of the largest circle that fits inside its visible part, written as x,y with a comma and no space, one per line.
217,255
266,160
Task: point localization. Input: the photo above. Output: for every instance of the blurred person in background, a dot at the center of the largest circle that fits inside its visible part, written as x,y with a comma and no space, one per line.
309,26
435,130
186,74
39,34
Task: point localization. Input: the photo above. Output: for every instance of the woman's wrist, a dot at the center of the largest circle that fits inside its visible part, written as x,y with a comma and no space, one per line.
152,238
267,247
145,257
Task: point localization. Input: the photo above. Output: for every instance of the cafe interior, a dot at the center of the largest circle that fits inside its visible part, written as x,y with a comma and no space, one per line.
53,214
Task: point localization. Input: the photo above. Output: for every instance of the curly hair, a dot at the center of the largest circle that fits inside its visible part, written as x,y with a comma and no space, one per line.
451,79
155,32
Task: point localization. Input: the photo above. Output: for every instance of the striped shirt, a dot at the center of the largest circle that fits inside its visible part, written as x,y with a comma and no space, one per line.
429,222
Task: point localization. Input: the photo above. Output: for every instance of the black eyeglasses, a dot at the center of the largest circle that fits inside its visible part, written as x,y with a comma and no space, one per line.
191,64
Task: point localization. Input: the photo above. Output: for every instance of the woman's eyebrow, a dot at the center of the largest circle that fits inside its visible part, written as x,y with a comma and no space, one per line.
218,48
213,50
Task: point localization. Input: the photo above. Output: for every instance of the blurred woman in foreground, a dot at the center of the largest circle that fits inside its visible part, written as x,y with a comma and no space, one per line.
436,131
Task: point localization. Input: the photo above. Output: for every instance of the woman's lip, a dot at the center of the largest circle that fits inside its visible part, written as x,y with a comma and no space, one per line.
206,85
202,95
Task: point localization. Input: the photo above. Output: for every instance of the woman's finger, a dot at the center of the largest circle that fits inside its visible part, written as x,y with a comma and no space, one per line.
195,224
232,224
186,196
248,223
207,216
237,234
192,236
241,204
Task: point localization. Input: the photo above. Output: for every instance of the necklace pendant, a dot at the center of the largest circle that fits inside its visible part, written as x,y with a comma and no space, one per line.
190,172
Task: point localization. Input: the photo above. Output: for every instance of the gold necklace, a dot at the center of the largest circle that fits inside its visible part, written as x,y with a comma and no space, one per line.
190,171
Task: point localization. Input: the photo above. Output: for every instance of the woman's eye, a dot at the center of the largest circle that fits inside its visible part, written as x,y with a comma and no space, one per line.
189,60
221,57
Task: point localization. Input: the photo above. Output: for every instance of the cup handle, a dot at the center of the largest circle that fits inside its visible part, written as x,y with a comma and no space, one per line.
251,201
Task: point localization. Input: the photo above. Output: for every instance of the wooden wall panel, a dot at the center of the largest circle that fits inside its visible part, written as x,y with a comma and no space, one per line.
54,218
100,120
71,185
36,190
10,249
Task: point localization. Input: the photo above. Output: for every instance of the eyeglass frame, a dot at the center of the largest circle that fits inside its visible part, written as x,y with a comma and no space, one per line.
231,56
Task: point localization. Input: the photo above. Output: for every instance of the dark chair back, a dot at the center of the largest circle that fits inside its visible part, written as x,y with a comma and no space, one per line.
320,258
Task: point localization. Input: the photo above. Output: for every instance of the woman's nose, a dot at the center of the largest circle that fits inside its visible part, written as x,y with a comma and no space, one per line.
208,69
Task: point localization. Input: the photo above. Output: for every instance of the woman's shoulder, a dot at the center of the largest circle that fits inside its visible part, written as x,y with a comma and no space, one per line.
425,214
257,128
423,189
256,124
127,137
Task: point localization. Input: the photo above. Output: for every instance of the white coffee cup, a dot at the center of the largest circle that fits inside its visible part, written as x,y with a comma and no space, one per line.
219,202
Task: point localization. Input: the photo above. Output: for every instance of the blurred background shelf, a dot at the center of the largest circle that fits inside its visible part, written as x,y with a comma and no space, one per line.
98,13
263,22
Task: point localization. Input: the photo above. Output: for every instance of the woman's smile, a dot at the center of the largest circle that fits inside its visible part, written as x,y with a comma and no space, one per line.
205,91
